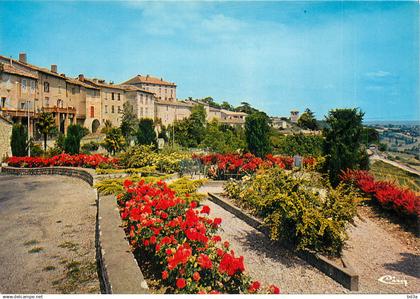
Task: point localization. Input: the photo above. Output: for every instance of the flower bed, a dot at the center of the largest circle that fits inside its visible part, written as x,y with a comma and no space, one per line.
81,160
390,196
296,210
222,166
183,242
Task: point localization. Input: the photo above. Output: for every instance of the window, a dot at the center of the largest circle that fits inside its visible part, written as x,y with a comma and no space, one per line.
47,102
73,90
46,87
141,112
112,96
106,108
92,111
119,109
167,107
3,102
60,103
22,106
32,86
24,84
146,112
119,97
59,89
112,109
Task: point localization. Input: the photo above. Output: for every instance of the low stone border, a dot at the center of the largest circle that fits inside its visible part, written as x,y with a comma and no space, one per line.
346,276
81,173
119,272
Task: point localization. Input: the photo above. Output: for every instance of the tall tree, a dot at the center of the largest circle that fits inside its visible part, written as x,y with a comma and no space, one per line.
75,133
196,125
128,122
146,132
257,132
46,125
18,140
225,105
342,144
307,120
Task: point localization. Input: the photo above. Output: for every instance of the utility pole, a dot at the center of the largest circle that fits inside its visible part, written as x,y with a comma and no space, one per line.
29,134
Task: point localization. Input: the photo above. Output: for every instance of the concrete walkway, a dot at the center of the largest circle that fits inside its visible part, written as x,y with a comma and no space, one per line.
47,242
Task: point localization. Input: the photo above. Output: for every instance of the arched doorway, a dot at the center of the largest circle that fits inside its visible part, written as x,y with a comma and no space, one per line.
95,125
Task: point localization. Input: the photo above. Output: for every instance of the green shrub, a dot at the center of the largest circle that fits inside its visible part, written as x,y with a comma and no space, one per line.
90,146
144,155
296,211
36,150
18,141
187,189
75,133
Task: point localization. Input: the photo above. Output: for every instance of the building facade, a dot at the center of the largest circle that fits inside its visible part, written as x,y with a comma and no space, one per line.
26,90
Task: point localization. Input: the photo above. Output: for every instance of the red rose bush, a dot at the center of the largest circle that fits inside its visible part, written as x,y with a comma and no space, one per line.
183,242
389,195
81,160
221,166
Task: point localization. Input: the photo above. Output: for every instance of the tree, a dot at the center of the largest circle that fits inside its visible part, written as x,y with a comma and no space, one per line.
196,125
18,141
246,108
342,143
223,138
257,132
370,135
307,120
225,105
75,133
46,125
114,141
146,132
107,126
129,122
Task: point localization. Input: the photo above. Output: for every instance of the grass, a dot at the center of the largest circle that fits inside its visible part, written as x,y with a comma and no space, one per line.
386,172
36,250
77,274
69,245
48,268
30,243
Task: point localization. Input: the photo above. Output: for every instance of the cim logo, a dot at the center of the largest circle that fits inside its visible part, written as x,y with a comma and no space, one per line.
388,279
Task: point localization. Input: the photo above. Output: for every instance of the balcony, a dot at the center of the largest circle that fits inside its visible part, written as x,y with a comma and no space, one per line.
16,112
68,110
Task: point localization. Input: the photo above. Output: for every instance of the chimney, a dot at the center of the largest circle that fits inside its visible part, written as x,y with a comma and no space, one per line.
161,79
81,77
147,76
54,68
22,57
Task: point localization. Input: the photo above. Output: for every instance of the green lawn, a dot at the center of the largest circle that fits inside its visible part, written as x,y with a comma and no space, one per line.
384,171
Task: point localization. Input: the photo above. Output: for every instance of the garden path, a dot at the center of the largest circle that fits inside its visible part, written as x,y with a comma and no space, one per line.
374,253
269,263
47,242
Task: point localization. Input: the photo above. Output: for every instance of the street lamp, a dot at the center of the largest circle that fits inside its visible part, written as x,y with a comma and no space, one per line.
29,134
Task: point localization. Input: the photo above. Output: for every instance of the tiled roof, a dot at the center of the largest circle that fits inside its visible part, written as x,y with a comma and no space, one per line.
94,82
174,103
34,67
233,112
10,69
80,83
128,87
148,80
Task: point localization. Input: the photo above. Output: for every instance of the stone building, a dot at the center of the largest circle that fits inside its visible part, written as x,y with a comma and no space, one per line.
26,90
163,90
5,134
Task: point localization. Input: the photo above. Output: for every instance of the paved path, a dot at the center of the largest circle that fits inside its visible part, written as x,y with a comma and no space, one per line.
396,164
374,253
47,243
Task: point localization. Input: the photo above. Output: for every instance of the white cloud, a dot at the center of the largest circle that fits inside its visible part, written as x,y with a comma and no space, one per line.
378,74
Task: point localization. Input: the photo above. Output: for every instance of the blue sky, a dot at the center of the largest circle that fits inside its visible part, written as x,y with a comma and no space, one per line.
277,56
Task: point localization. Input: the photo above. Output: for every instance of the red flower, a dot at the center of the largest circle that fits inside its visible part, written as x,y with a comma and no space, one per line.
181,283
196,276
165,275
226,244
205,210
217,221
204,261
231,265
273,289
254,287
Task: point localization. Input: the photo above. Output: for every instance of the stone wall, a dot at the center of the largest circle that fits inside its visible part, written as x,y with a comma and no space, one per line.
5,134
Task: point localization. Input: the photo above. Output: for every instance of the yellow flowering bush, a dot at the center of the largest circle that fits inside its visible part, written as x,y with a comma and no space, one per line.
295,211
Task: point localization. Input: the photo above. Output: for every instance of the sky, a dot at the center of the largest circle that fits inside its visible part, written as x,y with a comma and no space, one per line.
277,56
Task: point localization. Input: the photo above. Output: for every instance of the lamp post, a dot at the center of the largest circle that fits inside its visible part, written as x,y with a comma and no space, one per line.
29,134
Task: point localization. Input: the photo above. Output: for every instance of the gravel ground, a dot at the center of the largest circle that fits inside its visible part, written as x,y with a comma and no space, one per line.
374,253
47,242
269,263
